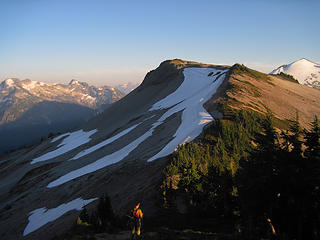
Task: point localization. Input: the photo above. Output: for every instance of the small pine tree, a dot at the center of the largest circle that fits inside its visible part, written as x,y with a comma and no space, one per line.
105,215
84,216
295,138
312,140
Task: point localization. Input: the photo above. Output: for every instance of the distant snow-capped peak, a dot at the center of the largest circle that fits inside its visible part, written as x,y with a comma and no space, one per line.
74,82
8,83
304,70
127,87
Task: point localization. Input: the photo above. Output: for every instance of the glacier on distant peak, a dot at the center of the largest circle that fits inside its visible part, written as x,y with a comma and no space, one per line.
305,71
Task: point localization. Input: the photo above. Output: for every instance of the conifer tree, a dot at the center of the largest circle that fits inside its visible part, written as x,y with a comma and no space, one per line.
258,177
296,136
84,215
312,140
312,181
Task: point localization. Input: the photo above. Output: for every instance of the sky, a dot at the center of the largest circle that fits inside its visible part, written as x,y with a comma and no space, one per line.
112,42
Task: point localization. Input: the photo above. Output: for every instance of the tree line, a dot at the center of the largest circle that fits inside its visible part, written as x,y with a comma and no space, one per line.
265,181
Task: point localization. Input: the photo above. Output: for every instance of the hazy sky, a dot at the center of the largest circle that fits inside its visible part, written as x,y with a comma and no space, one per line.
110,42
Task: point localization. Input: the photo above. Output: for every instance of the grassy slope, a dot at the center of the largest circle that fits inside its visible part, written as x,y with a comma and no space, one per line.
248,89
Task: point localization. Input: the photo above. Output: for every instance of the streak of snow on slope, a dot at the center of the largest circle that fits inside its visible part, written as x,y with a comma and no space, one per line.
196,89
194,119
71,142
4,100
101,163
104,143
59,137
42,216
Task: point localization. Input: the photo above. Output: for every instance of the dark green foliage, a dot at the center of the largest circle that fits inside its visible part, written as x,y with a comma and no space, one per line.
287,77
312,140
102,219
207,169
84,216
240,171
295,138
240,69
257,180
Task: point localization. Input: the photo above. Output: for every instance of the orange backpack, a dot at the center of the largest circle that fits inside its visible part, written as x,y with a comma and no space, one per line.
137,213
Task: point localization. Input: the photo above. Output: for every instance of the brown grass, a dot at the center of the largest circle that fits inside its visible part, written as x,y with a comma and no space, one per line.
283,98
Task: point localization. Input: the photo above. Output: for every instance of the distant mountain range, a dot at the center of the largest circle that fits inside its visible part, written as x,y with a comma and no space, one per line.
304,70
30,109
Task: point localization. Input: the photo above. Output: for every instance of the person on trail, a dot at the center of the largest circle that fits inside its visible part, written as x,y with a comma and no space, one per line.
137,221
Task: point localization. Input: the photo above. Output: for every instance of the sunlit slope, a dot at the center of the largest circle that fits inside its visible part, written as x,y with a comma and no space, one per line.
249,89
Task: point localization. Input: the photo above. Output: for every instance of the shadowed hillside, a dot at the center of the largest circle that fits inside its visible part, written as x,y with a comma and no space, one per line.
51,117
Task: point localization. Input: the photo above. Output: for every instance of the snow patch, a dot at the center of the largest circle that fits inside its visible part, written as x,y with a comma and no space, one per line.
42,216
9,82
103,143
89,97
5,99
59,137
71,142
30,85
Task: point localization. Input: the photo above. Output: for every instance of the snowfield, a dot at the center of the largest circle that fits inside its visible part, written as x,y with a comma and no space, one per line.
42,216
104,143
9,82
196,89
30,85
305,71
71,142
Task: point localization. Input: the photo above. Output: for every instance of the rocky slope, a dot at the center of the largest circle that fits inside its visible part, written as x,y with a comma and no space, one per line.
31,109
123,150
305,71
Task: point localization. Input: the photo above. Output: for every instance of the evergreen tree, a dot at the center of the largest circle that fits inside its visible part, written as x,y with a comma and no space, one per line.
312,140
312,181
295,137
84,215
258,180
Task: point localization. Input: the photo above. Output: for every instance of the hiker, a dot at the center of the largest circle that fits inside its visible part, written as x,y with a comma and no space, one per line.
137,221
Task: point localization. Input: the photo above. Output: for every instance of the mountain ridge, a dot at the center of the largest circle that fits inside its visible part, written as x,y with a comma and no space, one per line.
145,124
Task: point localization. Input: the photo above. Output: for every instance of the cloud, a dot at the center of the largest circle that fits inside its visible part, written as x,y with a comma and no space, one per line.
112,76
263,67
